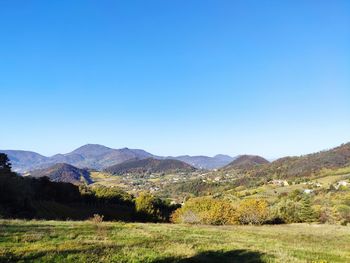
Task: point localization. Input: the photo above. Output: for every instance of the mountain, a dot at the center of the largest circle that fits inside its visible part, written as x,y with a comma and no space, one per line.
309,164
99,157
24,160
291,167
92,156
63,172
246,162
205,162
149,165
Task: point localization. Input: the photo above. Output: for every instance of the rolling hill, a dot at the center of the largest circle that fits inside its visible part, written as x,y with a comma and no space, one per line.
290,167
309,164
246,162
63,172
149,165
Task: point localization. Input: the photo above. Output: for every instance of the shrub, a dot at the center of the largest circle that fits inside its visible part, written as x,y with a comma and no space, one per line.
344,212
205,210
252,211
287,210
328,215
146,206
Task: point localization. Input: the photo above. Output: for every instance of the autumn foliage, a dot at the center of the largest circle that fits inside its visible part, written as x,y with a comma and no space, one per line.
252,211
205,210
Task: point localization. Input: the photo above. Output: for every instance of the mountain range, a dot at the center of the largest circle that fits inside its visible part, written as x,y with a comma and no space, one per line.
99,157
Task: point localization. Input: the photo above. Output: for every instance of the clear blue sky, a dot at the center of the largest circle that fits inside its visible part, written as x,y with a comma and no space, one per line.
175,77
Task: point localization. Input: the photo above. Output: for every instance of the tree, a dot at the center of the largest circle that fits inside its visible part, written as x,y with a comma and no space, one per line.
307,214
288,210
145,205
205,210
5,165
344,212
252,211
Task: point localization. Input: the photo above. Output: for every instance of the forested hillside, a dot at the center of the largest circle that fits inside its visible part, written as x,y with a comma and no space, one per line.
148,166
64,173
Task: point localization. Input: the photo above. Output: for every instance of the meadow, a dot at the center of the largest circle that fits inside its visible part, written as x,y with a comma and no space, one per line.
85,241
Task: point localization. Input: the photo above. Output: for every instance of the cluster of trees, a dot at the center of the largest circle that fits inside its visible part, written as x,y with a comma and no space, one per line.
324,207
25,197
205,210
295,207
195,188
151,208
208,210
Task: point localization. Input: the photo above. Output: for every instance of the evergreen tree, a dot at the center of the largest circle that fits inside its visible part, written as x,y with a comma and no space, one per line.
5,165
306,212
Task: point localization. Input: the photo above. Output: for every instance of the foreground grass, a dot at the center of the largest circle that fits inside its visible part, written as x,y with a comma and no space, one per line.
54,241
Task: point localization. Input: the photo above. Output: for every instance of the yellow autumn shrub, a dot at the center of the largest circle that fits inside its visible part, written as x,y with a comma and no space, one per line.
205,210
252,211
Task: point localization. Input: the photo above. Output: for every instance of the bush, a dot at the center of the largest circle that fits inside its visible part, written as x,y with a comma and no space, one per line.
205,210
344,212
252,211
146,206
287,210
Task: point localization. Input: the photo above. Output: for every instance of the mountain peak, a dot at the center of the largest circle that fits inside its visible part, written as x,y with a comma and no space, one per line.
247,161
91,146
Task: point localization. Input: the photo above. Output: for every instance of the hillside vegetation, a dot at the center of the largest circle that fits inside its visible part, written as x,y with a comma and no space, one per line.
148,166
246,162
67,241
302,166
63,173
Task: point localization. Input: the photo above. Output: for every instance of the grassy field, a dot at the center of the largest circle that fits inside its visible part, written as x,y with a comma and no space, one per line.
68,241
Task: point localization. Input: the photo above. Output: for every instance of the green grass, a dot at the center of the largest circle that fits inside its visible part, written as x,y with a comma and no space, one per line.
68,241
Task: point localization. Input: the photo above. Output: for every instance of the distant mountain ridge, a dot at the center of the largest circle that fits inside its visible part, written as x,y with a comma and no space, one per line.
92,156
205,162
149,165
99,157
